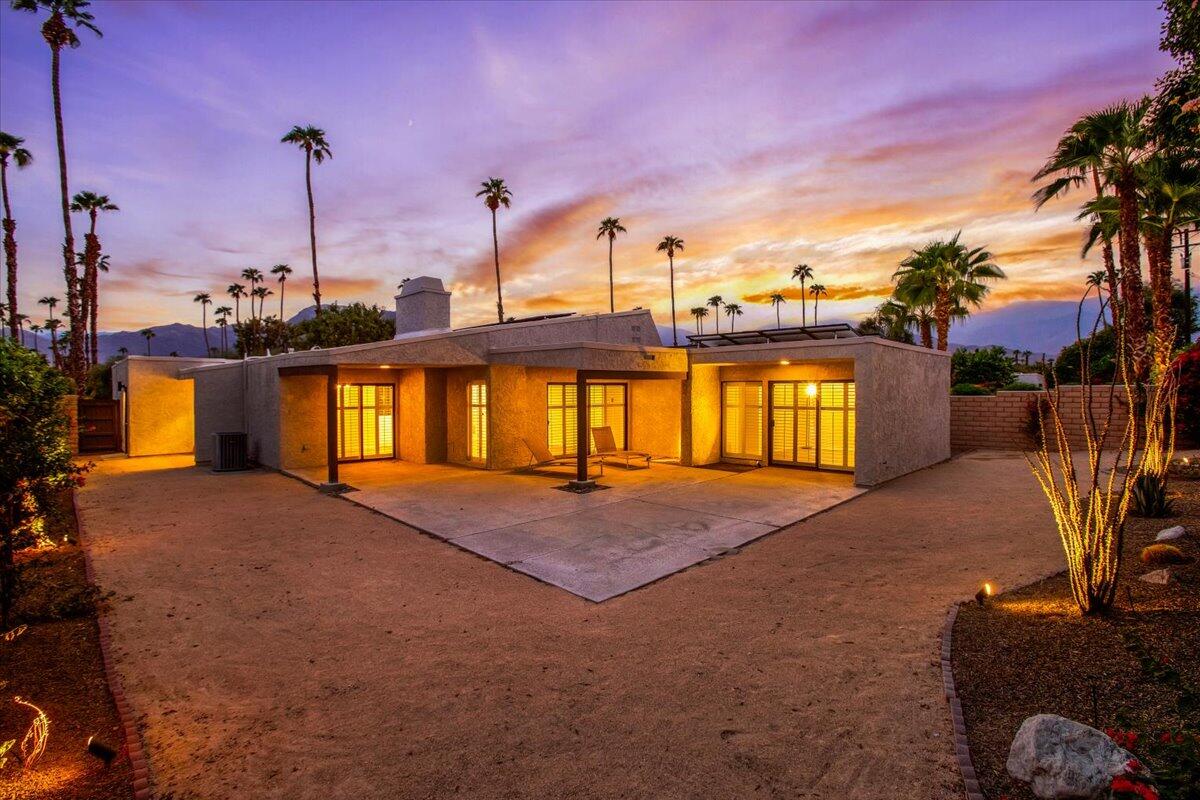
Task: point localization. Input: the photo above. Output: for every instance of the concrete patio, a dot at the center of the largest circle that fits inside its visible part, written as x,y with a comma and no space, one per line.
648,523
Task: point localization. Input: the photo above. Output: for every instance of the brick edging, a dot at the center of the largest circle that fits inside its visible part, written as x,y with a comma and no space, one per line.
133,740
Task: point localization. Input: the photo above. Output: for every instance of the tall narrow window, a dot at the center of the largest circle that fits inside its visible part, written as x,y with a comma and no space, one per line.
741,407
477,394
365,421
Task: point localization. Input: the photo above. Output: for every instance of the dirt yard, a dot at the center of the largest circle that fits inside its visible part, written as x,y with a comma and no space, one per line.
284,644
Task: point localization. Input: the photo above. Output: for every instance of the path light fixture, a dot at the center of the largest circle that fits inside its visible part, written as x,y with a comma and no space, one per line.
987,590
101,750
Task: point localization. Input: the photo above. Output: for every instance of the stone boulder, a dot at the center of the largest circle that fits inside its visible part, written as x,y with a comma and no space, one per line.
1171,534
1061,758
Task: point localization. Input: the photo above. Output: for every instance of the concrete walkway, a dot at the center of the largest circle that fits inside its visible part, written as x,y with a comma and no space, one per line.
648,523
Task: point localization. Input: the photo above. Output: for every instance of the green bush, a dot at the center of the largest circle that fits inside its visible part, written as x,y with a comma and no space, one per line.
1022,386
989,366
969,388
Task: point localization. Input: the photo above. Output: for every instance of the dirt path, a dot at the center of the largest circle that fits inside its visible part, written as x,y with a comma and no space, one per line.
285,644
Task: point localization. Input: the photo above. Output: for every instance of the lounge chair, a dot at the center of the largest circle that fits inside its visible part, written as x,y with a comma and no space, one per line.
540,456
606,448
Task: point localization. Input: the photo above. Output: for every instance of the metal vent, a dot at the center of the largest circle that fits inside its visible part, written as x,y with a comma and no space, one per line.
229,452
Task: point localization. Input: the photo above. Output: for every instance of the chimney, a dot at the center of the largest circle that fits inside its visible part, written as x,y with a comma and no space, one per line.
423,306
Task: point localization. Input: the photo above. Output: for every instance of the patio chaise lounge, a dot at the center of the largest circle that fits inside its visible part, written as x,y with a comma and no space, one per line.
542,457
606,448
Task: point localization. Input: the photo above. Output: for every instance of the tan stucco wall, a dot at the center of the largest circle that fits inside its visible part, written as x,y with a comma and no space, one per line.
158,412
303,428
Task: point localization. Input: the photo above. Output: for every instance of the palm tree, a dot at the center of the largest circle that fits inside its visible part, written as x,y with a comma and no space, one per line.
312,141
281,270
496,194
58,34
10,147
52,326
237,291
262,293
92,204
817,291
946,277
671,245
715,302
802,273
732,310
204,299
610,227
35,330
777,299
147,334
255,277
222,316
699,312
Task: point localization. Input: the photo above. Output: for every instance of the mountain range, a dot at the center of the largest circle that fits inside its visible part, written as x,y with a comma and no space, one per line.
1041,326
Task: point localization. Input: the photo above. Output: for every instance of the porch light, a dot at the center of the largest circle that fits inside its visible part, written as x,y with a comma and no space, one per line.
987,590
101,750
811,390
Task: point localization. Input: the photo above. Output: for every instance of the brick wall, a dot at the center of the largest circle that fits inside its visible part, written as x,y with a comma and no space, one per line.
70,406
999,421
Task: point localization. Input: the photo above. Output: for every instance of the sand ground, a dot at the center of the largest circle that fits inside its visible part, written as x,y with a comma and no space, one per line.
279,643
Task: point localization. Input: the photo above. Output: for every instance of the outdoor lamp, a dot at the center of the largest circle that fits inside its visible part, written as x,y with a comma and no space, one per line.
985,591
100,750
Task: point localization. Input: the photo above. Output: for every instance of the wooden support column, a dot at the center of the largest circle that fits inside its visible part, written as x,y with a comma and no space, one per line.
582,431
331,424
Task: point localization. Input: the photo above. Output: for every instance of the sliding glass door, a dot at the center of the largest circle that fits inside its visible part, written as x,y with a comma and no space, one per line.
812,424
365,416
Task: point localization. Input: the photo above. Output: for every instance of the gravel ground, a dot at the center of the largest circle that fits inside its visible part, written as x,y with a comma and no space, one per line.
285,644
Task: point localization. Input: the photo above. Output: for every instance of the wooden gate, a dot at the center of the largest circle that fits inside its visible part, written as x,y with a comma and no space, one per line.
99,428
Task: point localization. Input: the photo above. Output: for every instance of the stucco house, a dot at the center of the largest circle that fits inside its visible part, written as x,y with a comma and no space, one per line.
818,398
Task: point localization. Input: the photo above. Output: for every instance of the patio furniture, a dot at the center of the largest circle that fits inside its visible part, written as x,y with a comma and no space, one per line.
606,448
542,457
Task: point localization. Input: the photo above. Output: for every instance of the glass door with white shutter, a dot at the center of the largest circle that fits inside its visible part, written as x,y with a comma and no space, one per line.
812,424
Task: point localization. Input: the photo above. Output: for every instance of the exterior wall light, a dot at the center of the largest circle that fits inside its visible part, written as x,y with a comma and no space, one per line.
101,750
987,590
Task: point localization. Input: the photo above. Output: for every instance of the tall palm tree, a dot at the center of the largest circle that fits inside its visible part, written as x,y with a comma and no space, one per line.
777,299
237,291
817,291
205,300
948,277
222,316
715,302
262,293
57,32
10,148
255,277
311,140
92,204
733,311
147,334
610,227
36,331
495,194
52,326
672,245
700,312
802,273
1077,160
281,271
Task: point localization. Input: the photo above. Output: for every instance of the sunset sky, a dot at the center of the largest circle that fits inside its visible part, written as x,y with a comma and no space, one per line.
762,135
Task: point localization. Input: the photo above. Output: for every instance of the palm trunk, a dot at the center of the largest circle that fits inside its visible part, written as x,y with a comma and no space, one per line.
10,251
674,335
75,356
1132,303
496,254
612,305
312,228
1110,268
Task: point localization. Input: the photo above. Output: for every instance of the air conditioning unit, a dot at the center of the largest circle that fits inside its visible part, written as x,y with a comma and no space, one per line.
229,452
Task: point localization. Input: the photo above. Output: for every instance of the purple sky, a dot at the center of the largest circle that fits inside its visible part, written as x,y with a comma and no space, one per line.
841,135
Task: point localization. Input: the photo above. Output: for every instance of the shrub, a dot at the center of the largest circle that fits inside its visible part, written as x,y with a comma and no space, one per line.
968,388
1022,386
989,366
1164,555
35,458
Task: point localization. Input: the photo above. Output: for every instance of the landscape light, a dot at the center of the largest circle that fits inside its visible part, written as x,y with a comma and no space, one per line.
985,591
100,750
